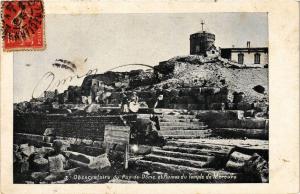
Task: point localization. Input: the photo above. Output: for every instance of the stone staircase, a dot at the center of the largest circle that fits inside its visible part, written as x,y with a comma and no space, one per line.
182,126
177,154
180,157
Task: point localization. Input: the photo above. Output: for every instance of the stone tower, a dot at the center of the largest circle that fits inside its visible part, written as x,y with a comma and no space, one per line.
201,42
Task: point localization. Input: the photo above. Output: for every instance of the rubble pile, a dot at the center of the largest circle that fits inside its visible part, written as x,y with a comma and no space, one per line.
116,80
199,71
54,164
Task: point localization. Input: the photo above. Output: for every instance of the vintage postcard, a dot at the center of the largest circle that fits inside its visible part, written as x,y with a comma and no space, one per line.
196,95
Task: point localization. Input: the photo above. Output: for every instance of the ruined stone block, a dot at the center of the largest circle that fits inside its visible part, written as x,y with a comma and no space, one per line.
78,141
100,162
97,143
78,159
258,166
47,149
39,176
57,163
238,123
23,146
54,177
41,164
49,132
61,145
216,115
241,133
87,141
26,150
71,140
237,162
250,113
48,139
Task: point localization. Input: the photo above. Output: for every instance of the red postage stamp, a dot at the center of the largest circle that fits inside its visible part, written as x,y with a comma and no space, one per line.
23,25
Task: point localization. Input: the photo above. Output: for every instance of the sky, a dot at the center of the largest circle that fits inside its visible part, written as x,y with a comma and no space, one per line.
104,41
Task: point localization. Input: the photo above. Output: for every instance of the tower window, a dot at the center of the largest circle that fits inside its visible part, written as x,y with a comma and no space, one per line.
257,58
241,58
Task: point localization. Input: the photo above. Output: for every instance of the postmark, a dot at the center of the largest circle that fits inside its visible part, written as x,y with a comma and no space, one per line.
23,25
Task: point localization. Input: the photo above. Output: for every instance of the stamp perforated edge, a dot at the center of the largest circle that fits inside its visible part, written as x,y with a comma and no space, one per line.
25,48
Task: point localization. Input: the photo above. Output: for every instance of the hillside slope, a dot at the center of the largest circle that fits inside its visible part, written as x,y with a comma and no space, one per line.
190,71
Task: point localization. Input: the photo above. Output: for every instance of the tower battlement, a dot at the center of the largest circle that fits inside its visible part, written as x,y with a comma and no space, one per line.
202,42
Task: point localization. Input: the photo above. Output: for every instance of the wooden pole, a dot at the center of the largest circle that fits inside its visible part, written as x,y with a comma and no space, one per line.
126,156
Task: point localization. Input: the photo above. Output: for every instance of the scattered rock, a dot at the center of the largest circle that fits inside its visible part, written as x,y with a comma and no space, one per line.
54,177
60,145
100,163
43,150
26,150
260,115
49,132
92,108
41,164
237,161
97,144
57,163
79,157
258,166
48,139
87,141
141,149
78,141
71,140
39,176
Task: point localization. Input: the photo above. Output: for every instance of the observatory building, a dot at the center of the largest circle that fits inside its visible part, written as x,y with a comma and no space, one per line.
202,43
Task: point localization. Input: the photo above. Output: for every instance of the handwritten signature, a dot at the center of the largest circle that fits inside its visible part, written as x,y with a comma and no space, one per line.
52,82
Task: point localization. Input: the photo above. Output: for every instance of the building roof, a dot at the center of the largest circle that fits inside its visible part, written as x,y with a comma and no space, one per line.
203,32
245,49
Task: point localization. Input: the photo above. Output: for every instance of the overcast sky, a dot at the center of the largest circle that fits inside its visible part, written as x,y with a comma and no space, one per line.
110,40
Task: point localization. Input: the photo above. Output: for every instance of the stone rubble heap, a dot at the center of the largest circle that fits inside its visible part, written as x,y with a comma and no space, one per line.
54,164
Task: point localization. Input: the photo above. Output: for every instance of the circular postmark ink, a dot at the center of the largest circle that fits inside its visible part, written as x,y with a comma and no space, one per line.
21,19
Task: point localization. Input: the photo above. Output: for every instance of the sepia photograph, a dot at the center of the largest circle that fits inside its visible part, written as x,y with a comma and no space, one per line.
142,98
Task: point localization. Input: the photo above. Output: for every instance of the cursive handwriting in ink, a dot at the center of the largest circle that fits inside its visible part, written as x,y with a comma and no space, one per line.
53,83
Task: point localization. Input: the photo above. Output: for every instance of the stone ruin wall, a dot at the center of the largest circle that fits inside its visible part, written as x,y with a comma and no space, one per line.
85,127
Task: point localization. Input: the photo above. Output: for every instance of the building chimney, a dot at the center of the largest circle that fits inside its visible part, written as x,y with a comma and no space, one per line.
248,44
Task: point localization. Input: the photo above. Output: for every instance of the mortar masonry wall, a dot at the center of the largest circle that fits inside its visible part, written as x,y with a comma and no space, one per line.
89,127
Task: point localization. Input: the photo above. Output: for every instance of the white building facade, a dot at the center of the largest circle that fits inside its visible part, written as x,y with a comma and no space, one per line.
249,56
